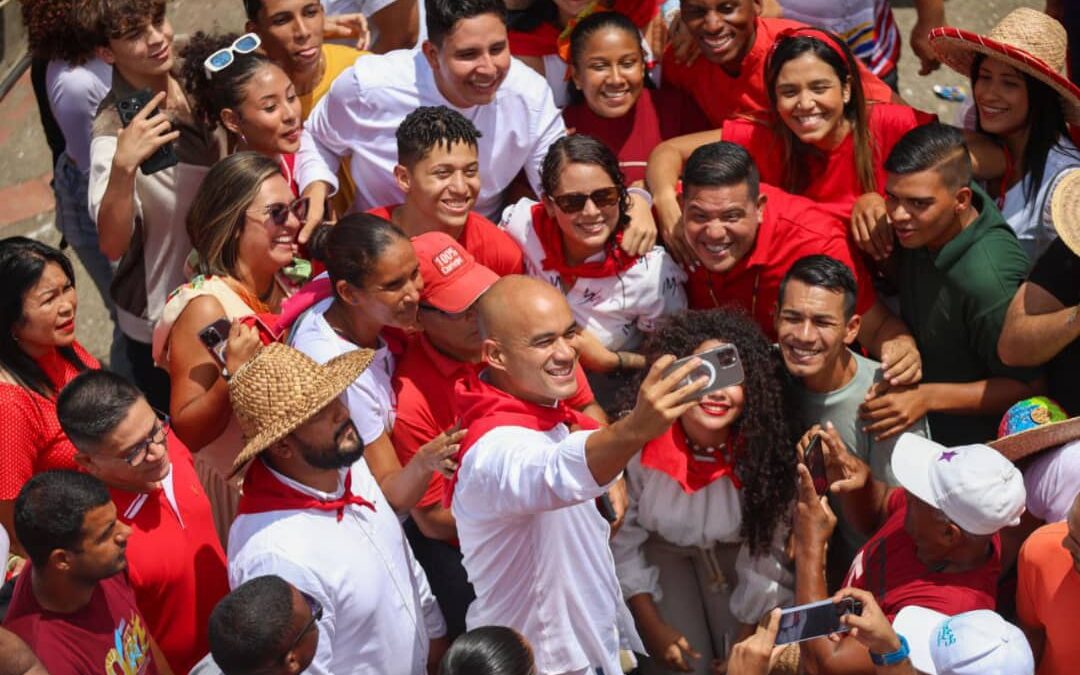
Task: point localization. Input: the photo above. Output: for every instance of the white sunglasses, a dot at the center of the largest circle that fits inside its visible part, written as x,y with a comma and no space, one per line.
223,58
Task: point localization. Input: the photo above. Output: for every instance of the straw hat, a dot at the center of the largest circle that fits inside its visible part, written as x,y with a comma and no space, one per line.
280,388
1065,210
1026,39
1033,425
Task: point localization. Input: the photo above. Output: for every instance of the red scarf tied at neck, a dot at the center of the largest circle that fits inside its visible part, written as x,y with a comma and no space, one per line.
671,454
615,261
482,407
264,492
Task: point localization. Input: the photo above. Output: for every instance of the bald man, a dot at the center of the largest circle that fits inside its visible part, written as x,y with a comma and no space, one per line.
534,545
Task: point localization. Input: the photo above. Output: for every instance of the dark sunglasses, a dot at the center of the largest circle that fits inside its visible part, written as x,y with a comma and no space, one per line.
574,202
316,615
279,212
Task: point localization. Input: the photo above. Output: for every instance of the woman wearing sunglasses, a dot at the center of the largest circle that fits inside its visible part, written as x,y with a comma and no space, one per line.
252,97
571,240
38,356
376,282
243,224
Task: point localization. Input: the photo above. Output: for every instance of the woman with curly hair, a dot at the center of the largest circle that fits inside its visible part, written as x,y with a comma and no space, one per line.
709,503
249,95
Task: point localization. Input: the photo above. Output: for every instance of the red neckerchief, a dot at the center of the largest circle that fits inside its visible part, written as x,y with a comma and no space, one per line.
264,492
670,454
615,259
482,407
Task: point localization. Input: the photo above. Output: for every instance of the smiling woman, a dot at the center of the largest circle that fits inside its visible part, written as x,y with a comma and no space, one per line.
38,356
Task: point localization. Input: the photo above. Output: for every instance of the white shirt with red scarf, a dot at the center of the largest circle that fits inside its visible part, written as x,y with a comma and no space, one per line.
378,611
536,548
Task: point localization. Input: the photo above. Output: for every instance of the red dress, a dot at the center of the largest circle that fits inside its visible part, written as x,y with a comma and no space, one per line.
33,439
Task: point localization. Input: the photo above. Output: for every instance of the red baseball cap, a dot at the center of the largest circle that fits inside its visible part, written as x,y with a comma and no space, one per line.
453,280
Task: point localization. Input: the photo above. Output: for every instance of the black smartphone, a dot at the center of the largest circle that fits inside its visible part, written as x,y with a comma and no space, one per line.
816,619
215,337
721,366
607,509
128,107
814,459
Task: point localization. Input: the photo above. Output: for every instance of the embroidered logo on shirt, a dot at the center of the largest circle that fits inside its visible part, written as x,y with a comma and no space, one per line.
131,652
448,260
946,637
947,456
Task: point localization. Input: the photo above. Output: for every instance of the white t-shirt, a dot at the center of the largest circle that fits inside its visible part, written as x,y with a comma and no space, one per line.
75,92
1052,481
617,310
378,611
370,398
709,516
366,104
536,548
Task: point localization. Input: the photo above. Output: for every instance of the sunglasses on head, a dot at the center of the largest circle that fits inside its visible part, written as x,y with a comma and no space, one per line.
224,57
278,213
574,202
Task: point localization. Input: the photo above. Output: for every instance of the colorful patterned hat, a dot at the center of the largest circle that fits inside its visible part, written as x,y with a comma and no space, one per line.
1033,425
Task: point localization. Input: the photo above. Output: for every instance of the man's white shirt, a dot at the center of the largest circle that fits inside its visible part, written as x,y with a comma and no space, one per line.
536,548
378,611
368,102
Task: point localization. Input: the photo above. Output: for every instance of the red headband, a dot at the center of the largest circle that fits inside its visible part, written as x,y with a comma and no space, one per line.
809,31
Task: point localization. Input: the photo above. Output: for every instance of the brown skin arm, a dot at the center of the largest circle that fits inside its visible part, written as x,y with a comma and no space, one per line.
1037,327
398,25
18,657
160,661
435,522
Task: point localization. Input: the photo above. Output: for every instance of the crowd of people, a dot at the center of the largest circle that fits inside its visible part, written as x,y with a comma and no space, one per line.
546,337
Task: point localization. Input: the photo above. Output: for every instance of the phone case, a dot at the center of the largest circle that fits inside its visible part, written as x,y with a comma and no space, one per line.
163,157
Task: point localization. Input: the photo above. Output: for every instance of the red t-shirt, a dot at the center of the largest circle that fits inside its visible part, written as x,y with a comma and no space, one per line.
657,116
491,247
722,96
108,635
175,561
793,227
424,381
888,567
33,439
834,184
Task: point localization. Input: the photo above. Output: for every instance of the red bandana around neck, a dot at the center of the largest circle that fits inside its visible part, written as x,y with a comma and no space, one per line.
615,259
264,492
482,407
671,454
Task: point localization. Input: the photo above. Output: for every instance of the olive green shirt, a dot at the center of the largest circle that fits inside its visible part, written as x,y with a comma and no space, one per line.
954,301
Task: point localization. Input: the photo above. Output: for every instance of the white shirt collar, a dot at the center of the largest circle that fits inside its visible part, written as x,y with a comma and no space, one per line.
307,489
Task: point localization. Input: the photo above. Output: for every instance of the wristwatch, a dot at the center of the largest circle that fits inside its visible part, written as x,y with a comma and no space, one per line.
892,658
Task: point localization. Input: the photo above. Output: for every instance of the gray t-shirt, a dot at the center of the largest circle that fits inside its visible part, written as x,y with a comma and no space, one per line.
841,407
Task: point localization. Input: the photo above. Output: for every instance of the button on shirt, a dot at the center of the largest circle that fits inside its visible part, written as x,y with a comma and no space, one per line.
378,611
616,309
368,102
536,548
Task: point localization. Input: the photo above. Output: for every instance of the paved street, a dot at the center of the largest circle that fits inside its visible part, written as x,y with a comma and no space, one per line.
26,198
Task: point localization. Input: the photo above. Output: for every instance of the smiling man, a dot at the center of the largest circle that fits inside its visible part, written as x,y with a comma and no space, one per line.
465,65
746,235
535,546
957,267
735,42
175,561
438,169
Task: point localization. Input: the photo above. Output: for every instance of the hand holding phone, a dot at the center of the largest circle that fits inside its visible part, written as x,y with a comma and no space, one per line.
814,459
816,619
232,343
720,367
147,137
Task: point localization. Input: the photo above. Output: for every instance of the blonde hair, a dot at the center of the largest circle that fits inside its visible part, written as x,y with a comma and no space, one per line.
217,216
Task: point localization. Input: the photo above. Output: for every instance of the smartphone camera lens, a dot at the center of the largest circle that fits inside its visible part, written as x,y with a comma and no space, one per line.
726,358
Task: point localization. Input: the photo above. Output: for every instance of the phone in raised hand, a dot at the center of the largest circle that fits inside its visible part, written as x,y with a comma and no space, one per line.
816,619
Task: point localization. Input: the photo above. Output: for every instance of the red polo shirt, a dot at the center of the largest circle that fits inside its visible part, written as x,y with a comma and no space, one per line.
888,567
793,227
175,560
423,382
834,184
491,247
722,96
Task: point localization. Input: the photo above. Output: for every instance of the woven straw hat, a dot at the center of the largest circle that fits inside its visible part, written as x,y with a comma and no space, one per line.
1026,39
280,388
1065,210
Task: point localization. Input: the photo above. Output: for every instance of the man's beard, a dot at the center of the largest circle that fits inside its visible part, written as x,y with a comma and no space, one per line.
341,454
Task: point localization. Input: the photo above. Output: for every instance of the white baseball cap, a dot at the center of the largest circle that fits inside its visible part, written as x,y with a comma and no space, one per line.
974,485
975,643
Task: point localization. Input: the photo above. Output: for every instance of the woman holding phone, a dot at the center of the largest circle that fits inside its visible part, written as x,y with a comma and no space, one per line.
242,224
709,502
571,240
